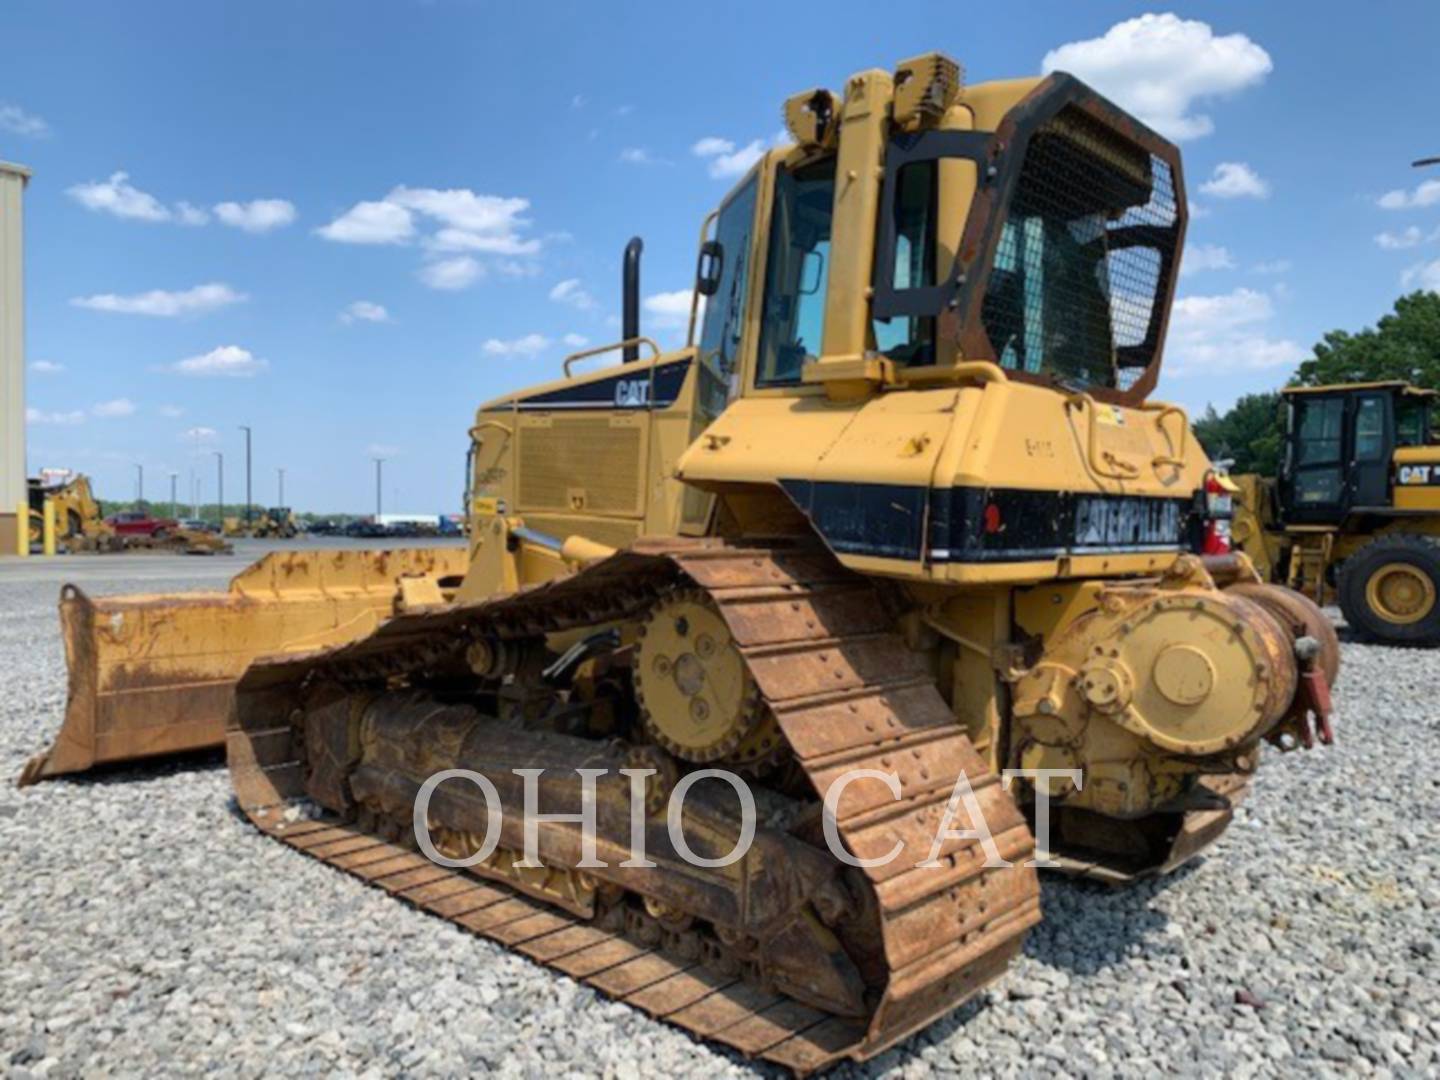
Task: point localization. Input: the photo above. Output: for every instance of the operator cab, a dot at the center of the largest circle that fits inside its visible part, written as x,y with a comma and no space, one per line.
1355,449
974,248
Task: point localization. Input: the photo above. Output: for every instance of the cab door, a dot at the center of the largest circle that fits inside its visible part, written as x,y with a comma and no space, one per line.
1312,483
1372,443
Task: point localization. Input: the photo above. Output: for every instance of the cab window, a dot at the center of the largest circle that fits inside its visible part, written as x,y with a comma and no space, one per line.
910,340
724,322
1410,422
1370,430
1321,424
792,320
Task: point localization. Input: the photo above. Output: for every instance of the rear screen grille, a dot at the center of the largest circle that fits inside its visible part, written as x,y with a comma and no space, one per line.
1084,256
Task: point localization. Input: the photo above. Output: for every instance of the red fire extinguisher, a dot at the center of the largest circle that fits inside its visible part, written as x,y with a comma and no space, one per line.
1219,509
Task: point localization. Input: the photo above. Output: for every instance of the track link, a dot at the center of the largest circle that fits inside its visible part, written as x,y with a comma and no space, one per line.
847,694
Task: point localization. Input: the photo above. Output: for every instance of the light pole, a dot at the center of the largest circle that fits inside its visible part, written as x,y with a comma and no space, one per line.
379,462
173,503
220,486
246,429
139,487
281,503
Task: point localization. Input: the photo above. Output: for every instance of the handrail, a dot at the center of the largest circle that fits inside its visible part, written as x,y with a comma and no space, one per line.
981,371
1164,410
584,353
476,445
1082,400
695,292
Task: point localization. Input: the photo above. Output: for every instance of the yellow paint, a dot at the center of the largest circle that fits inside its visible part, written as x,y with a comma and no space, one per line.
49,529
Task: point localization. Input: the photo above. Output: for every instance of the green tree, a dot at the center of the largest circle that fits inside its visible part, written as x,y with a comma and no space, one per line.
1404,345
1248,434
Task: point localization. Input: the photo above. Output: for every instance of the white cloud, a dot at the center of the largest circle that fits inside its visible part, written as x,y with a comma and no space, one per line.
371,223
471,222
639,155
724,159
575,341
46,367
669,310
256,216
365,311
116,408
464,223
451,275
1160,67
1422,276
1411,237
37,416
578,101
185,214
1235,180
1425,194
529,345
200,434
119,198
17,121
171,412
712,146
164,304
1198,210
227,360
571,292
1272,266
1202,257
1225,333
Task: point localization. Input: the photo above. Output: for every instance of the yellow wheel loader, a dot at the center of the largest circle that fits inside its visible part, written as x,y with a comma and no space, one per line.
896,546
1354,514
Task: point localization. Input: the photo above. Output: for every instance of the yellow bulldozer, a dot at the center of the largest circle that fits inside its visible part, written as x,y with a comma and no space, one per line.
1354,514
897,544
275,523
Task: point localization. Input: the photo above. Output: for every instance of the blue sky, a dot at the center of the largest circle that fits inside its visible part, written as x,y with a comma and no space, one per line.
346,224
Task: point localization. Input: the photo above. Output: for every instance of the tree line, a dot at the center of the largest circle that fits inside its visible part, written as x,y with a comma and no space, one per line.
1403,345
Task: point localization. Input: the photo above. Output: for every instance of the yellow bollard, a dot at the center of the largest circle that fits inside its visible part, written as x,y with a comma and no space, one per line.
22,529
49,527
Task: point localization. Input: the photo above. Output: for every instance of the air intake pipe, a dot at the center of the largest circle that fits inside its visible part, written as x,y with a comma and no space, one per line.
630,298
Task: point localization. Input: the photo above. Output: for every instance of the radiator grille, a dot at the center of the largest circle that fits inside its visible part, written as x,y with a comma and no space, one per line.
581,463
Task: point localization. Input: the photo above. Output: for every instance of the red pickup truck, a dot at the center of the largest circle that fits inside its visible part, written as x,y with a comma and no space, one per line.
140,523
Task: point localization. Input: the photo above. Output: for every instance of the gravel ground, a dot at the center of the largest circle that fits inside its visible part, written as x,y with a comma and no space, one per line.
144,927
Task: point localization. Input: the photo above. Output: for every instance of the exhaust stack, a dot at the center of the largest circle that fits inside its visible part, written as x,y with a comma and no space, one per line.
630,298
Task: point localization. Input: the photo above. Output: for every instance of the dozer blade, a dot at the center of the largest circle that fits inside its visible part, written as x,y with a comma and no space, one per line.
155,674
788,954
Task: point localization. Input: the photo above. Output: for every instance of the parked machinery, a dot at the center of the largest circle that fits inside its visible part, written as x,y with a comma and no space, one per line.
903,505
1355,511
81,528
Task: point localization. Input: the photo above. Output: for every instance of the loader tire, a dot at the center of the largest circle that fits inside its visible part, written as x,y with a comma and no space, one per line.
1390,590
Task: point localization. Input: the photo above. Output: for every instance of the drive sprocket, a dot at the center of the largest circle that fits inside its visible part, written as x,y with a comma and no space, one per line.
697,697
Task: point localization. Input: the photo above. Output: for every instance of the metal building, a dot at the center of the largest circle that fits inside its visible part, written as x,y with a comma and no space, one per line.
12,352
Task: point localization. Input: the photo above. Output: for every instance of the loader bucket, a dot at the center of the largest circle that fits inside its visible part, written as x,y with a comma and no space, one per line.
155,674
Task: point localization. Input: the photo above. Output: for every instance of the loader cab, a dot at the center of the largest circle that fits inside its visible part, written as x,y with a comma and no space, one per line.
1350,448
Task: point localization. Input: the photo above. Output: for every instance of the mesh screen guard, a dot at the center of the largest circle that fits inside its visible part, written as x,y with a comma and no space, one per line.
1069,264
